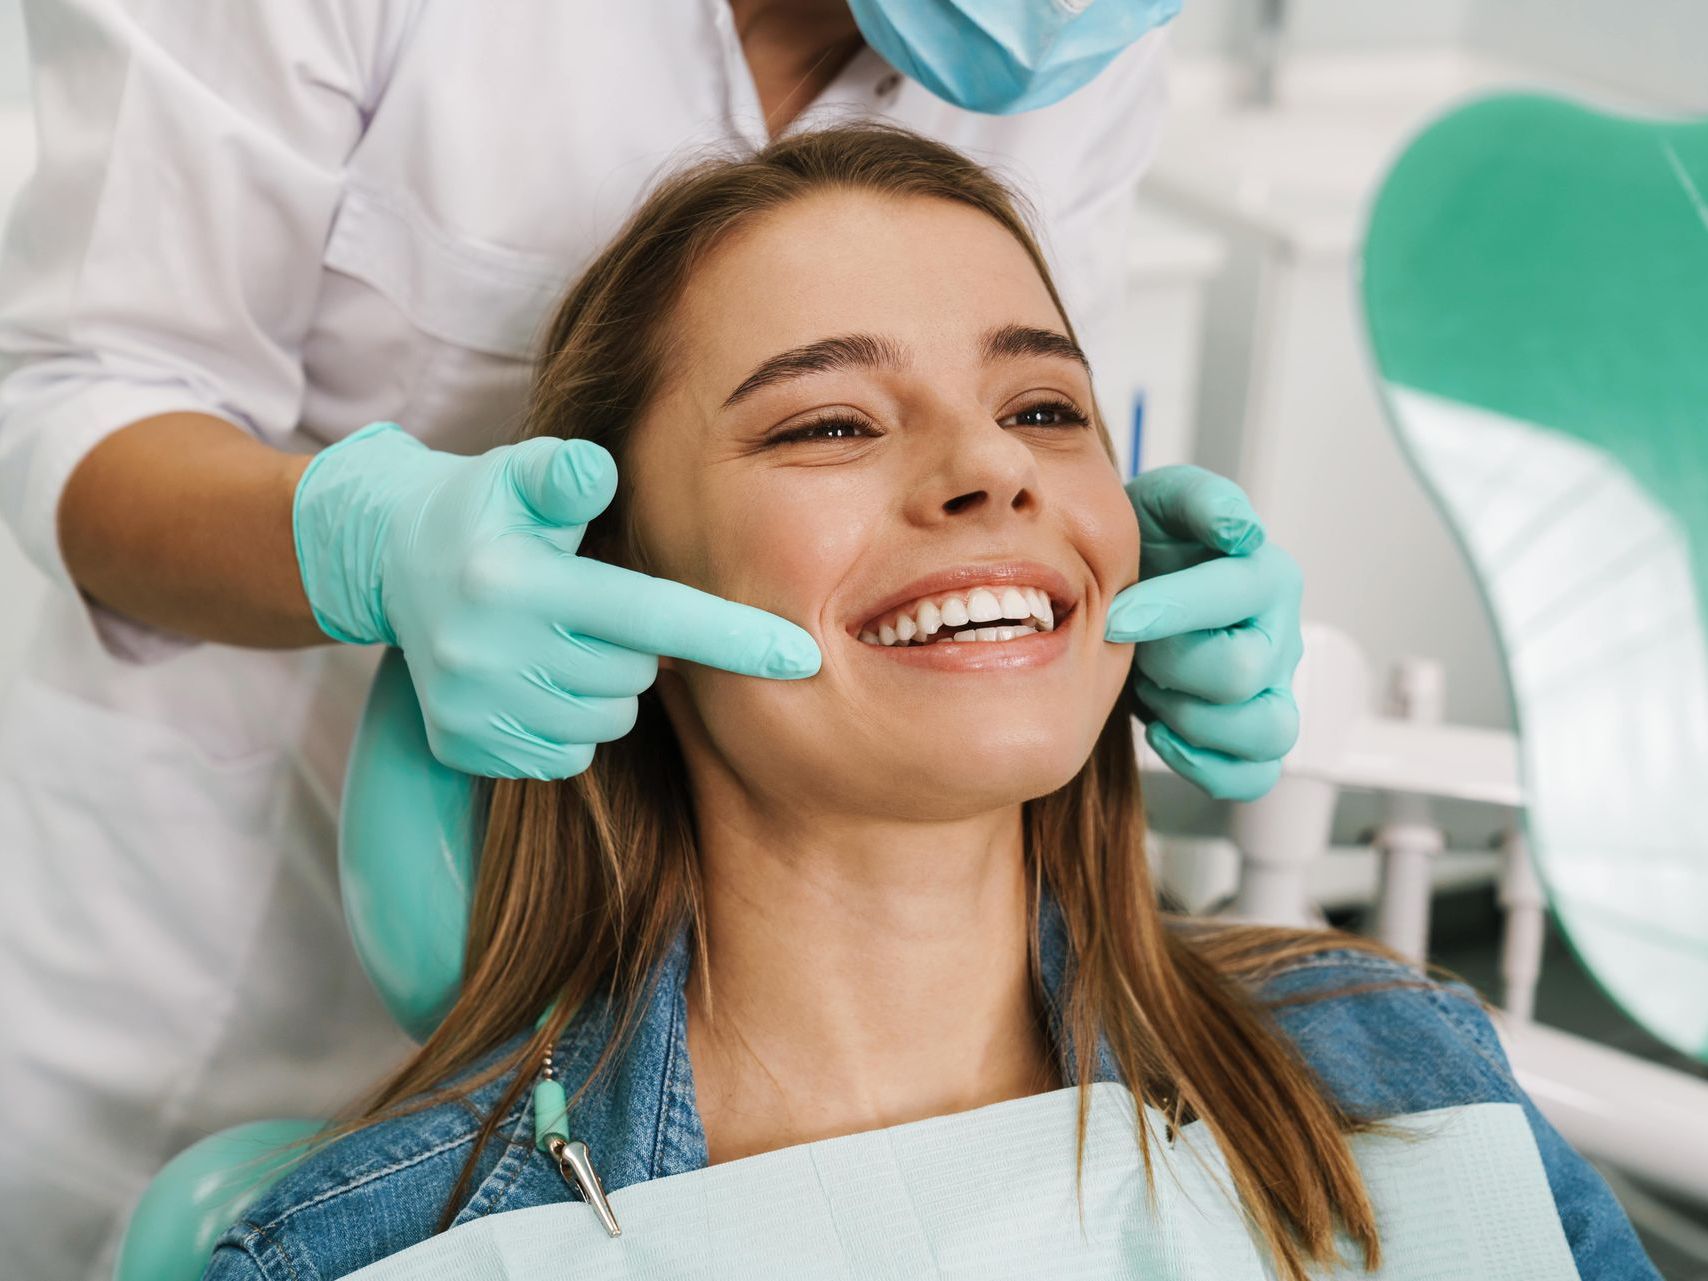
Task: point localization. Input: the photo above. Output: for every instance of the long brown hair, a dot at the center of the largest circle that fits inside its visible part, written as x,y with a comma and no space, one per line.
583,884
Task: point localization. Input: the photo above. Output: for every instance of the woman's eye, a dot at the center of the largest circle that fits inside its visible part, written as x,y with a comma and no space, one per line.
1052,413
824,429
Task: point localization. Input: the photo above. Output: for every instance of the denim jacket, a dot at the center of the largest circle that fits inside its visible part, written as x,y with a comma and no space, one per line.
382,1189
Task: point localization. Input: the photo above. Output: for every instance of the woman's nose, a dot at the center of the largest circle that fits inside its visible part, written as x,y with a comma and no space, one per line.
977,469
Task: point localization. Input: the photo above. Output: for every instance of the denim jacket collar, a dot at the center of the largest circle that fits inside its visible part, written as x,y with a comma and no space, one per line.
1381,1043
641,1120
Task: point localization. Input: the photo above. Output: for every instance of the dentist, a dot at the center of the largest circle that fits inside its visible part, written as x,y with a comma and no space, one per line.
256,228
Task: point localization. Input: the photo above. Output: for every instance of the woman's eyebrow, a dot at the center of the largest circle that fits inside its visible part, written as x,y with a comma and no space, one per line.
1027,340
847,351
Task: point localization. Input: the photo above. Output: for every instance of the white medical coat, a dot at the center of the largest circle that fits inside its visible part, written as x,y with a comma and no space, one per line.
301,217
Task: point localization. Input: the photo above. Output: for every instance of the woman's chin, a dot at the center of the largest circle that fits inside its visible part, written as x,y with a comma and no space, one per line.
963,781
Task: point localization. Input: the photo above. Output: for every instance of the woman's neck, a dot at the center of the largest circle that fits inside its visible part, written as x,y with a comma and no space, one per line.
862,975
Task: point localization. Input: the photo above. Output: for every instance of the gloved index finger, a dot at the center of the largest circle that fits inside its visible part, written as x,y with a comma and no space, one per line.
1224,591
662,616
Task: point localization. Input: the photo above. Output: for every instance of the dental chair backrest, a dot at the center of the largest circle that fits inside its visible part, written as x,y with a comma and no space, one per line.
1536,288
407,840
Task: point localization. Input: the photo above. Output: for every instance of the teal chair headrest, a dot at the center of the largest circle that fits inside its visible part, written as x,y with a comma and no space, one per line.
407,842
200,1193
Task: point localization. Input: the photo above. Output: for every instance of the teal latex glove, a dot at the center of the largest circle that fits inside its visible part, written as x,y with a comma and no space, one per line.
523,654
1215,614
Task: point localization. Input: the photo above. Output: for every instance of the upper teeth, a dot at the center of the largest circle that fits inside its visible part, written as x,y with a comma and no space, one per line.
1022,610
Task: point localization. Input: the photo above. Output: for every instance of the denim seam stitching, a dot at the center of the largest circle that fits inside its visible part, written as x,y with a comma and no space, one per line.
577,1037
664,1095
490,1195
352,1184
1453,1012
274,1247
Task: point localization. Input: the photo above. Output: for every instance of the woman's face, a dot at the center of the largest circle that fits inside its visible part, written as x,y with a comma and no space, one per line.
872,422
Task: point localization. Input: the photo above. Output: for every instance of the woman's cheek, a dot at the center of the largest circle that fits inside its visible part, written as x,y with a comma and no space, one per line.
1106,530
1119,536
788,543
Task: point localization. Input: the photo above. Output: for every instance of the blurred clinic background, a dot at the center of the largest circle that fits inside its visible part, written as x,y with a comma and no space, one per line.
1251,356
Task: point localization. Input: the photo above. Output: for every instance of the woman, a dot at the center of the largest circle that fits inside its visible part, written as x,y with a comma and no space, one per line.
249,234
838,384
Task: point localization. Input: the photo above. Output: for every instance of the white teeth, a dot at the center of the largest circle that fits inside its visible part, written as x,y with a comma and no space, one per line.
983,606
1022,609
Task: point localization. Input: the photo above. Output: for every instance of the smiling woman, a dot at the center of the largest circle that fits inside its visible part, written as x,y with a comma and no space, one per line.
839,385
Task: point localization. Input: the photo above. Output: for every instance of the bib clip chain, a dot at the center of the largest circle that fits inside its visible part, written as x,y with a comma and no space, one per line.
574,1161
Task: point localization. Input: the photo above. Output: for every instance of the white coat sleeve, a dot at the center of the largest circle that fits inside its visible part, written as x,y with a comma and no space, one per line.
165,255
1091,226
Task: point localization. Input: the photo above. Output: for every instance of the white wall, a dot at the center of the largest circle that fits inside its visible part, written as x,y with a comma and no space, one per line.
1320,26
12,61
1653,50
1649,49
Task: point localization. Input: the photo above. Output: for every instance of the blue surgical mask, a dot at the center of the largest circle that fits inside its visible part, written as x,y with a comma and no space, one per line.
1002,56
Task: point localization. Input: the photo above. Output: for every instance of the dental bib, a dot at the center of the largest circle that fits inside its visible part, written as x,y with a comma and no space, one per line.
990,1193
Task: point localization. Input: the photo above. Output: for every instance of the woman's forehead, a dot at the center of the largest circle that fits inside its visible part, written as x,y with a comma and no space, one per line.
928,274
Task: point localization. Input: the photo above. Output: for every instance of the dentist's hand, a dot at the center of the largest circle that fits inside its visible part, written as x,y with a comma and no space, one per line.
1216,617
523,654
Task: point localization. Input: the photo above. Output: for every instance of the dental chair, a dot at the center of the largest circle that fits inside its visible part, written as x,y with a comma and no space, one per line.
1535,283
407,838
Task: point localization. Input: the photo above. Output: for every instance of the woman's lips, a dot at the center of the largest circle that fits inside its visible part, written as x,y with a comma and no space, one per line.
1032,650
